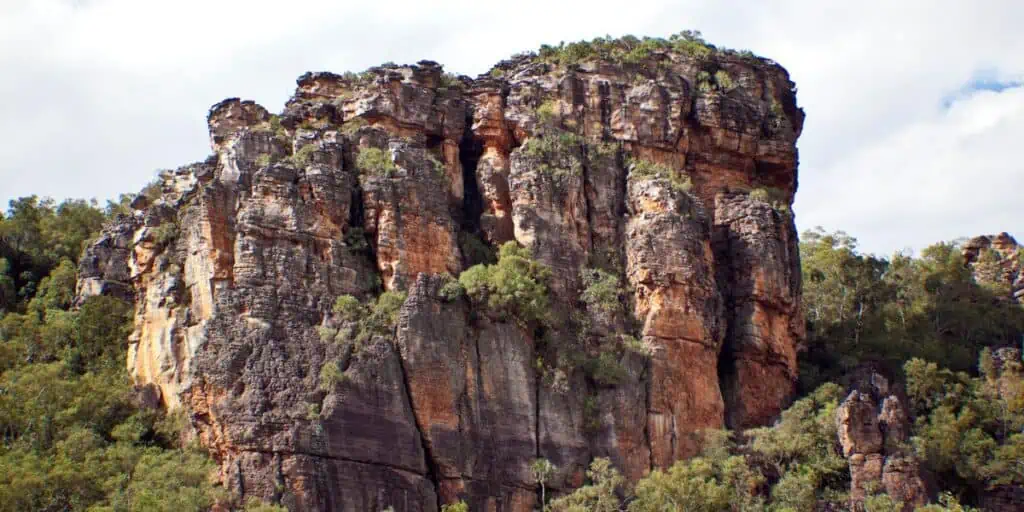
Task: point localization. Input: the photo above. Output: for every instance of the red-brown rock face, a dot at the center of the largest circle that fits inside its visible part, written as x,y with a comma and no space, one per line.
675,183
873,430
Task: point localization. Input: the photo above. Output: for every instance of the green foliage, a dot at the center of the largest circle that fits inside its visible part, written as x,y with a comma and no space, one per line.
548,113
514,286
375,162
968,428
627,49
71,436
459,506
450,81
863,308
379,319
304,156
355,239
255,505
777,198
153,190
541,470
452,289
264,160
348,308
647,170
605,369
947,503
602,293
598,495
35,236
712,482
475,250
558,153
723,80
165,234
353,125
331,375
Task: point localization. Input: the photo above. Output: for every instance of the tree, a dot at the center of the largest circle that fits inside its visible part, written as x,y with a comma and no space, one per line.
542,469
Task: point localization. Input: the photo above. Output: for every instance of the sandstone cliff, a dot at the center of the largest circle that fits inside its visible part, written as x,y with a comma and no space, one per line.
673,170
997,261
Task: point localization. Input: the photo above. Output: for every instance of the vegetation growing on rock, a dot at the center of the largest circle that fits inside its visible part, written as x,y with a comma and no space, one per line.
515,286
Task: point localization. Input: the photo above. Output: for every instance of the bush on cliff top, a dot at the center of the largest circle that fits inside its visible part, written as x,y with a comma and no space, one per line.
629,49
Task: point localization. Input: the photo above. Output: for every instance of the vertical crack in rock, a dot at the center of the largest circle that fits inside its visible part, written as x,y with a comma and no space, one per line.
280,223
433,475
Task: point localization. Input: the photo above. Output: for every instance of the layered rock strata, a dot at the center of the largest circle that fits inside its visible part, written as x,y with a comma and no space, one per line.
677,183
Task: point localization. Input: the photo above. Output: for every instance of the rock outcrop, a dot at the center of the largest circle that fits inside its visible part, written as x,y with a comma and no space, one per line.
874,431
672,170
998,261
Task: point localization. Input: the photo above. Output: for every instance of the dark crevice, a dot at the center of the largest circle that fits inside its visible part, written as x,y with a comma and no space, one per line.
432,470
470,150
726,367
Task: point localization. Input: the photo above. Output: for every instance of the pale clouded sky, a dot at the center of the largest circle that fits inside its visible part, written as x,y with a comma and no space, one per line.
915,113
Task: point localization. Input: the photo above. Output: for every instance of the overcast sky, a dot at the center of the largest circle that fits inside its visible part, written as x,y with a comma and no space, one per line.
915,108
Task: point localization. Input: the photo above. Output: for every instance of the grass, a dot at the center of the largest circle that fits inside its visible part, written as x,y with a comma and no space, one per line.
645,169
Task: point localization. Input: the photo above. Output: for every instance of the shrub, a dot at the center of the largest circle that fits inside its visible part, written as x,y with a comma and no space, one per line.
547,113
602,292
348,308
605,370
153,190
775,197
304,155
375,162
475,250
165,234
378,319
704,81
452,289
355,239
331,375
645,169
597,496
327,334
516,285
459,506
638,346
353,125
723,80
541,470
558,153
263,160
437,166
691,42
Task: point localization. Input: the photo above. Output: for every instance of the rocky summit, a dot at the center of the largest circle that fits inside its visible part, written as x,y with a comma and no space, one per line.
646,189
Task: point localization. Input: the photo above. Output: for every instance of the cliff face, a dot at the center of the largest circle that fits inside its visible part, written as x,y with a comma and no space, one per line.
234,263
997,261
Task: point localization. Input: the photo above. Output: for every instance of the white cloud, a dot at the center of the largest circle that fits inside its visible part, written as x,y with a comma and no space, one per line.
100,93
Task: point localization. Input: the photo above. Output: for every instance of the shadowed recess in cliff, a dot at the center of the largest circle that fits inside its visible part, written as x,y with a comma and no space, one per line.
637,163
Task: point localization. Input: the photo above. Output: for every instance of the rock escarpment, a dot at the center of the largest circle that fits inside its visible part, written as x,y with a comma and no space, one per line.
874,432
998,261
672,170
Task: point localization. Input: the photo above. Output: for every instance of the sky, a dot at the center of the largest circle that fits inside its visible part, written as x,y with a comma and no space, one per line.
915,108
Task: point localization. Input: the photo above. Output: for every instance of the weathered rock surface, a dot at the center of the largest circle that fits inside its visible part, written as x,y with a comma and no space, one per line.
997,260
234,263
874,430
